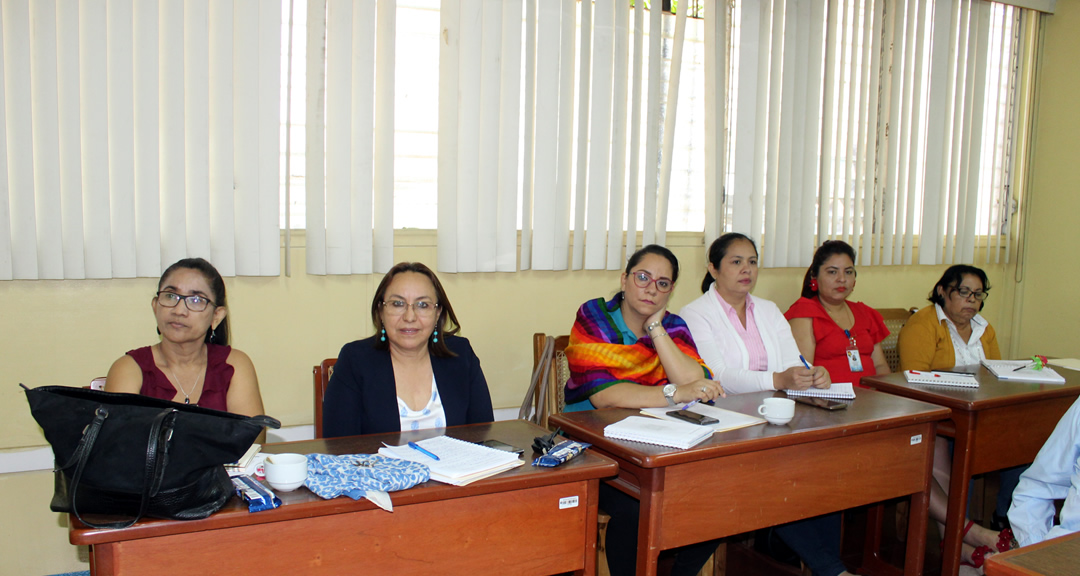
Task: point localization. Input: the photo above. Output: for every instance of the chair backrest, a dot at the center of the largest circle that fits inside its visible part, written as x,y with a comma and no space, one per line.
895,318
558,374
321,374
97,383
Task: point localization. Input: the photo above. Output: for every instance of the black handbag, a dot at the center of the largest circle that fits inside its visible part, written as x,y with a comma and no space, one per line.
132,455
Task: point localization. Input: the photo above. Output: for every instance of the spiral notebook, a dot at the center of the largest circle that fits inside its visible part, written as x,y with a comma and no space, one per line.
659,432
459,463
842,390
938,378
1020,370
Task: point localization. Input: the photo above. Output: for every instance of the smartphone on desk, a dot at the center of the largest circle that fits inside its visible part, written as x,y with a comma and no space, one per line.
820,402
502,446
693,417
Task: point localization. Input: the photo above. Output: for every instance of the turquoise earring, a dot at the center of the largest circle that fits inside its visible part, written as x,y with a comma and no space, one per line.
383,337
435,336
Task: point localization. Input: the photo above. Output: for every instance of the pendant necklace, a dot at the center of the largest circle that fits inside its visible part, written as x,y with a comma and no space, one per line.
187,396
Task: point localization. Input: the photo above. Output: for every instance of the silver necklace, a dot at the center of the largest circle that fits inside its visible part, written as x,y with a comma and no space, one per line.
187,396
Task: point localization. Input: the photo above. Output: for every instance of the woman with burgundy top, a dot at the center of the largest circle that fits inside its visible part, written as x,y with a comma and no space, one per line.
193,362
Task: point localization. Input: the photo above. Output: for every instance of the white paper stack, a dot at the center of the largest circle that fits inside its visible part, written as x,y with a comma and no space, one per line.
727,420
1007,370
660,432
459,462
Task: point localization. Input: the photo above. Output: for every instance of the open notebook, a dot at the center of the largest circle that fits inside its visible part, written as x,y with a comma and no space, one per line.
937,378
838,390
459,462
1007,370
656,431
728,420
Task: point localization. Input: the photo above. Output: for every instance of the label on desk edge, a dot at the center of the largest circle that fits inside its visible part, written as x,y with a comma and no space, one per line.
916,439
568,502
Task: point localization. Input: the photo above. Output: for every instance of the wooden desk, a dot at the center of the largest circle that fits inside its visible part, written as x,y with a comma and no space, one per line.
513,523
741,480
1055,557
998,425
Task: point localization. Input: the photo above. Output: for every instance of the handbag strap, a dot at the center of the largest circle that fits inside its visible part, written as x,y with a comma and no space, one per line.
538,384
156,460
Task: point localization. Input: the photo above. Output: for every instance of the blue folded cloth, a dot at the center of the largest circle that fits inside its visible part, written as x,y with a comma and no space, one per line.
353,475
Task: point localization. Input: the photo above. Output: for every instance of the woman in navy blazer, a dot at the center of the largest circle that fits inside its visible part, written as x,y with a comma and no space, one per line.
414,373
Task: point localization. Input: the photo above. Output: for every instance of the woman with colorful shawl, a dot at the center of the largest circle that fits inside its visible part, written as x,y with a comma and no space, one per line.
629,352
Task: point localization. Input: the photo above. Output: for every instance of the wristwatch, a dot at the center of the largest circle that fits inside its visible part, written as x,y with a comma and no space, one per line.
669,393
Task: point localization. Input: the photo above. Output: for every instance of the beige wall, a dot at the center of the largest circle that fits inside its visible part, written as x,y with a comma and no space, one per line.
1051,268
66,332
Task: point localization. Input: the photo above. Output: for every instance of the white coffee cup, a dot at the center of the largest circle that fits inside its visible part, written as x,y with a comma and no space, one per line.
777,411
285,472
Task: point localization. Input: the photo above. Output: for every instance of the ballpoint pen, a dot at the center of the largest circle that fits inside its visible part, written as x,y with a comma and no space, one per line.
805,363
416,446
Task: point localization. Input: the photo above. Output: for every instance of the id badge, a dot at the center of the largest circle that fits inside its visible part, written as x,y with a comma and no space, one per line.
853,359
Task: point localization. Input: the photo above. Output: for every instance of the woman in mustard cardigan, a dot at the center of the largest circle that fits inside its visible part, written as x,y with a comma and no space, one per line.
951,332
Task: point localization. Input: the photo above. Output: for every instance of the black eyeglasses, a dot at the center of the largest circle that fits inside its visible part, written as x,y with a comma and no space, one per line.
195,302
966,293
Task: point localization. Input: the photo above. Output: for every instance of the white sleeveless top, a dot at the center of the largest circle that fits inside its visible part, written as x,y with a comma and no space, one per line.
430,416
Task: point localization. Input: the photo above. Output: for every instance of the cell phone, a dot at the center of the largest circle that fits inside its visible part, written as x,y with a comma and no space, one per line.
693,417
502,446
820,402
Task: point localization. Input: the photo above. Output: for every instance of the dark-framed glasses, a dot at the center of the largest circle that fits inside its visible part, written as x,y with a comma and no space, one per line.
194,302
423,308
966,293
643,279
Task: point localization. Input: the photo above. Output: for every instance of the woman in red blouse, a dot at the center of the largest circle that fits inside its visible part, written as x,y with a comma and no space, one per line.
844,337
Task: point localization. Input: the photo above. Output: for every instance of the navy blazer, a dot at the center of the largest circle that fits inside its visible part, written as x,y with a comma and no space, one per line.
361,397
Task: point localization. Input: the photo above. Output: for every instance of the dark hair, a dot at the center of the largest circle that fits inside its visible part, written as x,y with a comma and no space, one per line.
659,251
827,250
219,335
953,277
717,251
445,309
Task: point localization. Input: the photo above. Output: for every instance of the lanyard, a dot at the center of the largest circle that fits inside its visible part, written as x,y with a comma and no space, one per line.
851,339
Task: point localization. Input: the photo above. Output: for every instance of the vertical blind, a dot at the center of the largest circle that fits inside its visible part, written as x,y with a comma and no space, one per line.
350,136
138,133
888,124
593,107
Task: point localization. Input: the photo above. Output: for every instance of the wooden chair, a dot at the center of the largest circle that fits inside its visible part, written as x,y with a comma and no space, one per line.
895,318
321,377
559,372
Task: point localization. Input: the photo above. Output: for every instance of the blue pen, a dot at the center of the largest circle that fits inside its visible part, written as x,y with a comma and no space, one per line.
416,446
689,404
805,363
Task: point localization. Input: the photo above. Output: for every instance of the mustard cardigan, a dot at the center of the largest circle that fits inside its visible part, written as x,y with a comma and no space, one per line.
925,343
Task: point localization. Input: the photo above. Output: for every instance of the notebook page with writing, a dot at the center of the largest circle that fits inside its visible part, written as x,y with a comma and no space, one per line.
935,378
727,420
1020,370
659,432
459,462
838,390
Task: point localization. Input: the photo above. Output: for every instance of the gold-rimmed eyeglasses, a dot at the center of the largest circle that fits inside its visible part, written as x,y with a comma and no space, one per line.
422,308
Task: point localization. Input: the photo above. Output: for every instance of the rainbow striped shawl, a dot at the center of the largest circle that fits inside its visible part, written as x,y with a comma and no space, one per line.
598,358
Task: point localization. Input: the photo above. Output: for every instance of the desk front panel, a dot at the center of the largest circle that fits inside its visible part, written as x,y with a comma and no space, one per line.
743,492
1012,435
486,534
